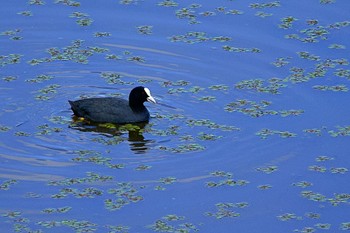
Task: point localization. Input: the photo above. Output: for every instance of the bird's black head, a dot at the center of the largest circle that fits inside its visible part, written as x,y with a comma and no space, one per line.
139,95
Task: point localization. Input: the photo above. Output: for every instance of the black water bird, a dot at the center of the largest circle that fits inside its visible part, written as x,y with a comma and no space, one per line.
113,109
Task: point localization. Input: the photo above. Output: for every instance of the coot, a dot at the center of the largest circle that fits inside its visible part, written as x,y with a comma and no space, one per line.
113,109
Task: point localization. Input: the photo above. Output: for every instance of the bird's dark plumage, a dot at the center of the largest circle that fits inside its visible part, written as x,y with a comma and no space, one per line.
113,109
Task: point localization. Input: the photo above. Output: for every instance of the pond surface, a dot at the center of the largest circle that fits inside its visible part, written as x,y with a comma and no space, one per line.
251,133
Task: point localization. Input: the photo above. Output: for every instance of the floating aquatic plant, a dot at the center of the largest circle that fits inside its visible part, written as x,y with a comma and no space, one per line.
145,29
126,193
287,22
4,128
265,5
335,88
6,185
268,169
75,52
40,78
341,131
68,2
270,86
312,215
314,131
302,184
264,133
64,209
183,148
45,129
313,196
288,217
168,3
240,50
227,210
226,181
9,78
143,167
317,168
10,59
263,14
36,2
173,223
47,92
25,13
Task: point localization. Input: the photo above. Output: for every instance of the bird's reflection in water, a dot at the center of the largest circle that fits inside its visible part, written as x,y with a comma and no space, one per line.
138,143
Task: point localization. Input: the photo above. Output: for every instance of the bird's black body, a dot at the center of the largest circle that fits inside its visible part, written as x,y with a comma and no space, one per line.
113,109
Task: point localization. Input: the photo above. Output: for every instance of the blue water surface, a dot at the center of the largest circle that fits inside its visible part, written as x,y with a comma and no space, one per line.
250,133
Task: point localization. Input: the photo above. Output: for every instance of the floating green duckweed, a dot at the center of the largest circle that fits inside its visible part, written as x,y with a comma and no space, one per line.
339,170
25,13
265,5
10,59
341,131
183,148
143,167
264,133
47,92
119,228
335,88
40,78
57,210
22,134
208,137
312,215
303,184
327,1
167,180
9,78
198,37
229,48
264,187
281,61
220,87
102,34
45,129
68,2
226,181
75,52
4,128
288,217
227,210
126,194
268,169
36,2
345,226
12,214
317,168
115,140
211,125
6,185
263,14
173,223
168,3
207,98
314,131
336,46
250,108
80,226
145,29
270,86
287,22
313,196
91,177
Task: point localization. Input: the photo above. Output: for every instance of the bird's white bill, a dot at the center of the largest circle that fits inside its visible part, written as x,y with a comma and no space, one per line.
149,98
